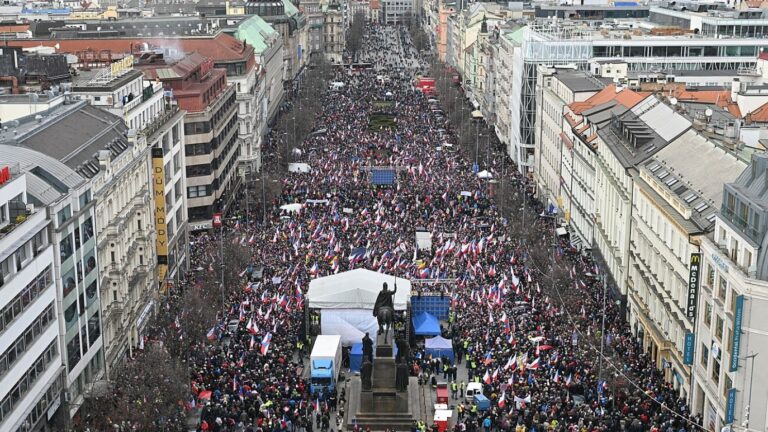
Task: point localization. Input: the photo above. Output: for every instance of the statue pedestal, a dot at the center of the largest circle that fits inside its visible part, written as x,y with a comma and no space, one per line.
383,406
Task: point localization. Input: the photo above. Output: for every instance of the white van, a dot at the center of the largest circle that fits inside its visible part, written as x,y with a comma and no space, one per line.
473,388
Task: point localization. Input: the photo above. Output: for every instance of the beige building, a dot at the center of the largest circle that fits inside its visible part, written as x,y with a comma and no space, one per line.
560,87
333,31
125,210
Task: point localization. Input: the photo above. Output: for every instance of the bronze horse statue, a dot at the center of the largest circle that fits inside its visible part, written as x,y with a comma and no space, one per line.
385,318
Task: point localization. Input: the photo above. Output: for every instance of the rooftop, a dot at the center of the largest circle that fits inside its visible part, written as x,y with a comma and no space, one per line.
102,78
622,96
640,132
578,81
72,134
220,47
678,167
48,180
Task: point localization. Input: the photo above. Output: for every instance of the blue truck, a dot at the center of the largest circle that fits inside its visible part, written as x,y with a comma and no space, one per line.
325,363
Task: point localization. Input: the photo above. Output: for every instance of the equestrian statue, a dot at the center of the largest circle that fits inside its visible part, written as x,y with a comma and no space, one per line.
384,309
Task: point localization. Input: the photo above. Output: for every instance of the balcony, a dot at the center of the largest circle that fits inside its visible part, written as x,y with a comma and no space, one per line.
115,310
13,224
153,127
741,224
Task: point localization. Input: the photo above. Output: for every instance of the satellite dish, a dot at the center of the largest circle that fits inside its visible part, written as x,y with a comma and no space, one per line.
673,101
708,112
615,80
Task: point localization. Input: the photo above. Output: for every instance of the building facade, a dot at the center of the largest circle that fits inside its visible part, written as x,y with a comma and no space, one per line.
31,378
730,332
210,133
126,211
60,154
559,88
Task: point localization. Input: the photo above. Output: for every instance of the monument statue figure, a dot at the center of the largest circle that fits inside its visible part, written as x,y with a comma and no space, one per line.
366,372
384,309
403,350
401,377
368,347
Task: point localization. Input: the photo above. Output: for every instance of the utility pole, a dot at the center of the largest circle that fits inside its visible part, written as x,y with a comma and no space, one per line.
263,200
602,333
221,257
749,397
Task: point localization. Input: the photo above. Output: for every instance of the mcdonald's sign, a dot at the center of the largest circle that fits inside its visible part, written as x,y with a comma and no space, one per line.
693,285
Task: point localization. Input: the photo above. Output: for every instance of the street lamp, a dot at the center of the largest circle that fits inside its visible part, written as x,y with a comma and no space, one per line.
745,423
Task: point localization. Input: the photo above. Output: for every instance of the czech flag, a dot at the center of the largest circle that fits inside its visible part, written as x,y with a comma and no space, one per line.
265,343
487,377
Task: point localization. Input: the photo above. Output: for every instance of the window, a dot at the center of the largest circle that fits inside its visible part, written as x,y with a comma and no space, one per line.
27,381
708,314
716,370
26,339
710,275
87,229
25,298
704,355
718,327
722,288
198,170
65,247
197,128
85,198
64,215
197,191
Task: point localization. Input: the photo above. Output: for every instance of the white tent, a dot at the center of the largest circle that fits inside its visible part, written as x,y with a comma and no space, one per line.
355,289
291,208
299,167
346,302
484,174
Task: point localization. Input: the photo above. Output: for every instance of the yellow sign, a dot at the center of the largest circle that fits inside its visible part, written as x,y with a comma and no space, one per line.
121,66
158,191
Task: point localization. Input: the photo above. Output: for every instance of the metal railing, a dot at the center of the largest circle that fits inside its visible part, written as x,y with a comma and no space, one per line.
153,127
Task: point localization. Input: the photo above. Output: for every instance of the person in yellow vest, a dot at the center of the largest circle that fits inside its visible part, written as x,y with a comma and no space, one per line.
462,386
461,410
454,390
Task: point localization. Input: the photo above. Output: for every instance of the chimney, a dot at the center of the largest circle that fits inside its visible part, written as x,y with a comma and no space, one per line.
735,88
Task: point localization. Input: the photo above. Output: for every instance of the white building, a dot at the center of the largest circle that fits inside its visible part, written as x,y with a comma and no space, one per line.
396,11
31,379
559,88
69,201
674,203
550,43
730,328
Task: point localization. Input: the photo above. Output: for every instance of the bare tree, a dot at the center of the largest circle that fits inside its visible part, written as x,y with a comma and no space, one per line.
355,34
147,394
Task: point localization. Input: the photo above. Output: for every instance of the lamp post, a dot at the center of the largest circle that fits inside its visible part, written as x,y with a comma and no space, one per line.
749,396
602,333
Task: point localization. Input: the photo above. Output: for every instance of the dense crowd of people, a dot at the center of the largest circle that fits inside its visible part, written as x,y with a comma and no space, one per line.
526,336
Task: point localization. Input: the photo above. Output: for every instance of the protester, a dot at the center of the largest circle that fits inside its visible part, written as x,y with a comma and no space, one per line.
530,339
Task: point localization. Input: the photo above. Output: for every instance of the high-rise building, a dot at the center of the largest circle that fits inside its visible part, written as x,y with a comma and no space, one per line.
68,198
210,132
31,378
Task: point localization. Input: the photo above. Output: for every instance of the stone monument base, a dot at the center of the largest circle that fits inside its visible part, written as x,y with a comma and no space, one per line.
379,409
383,406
